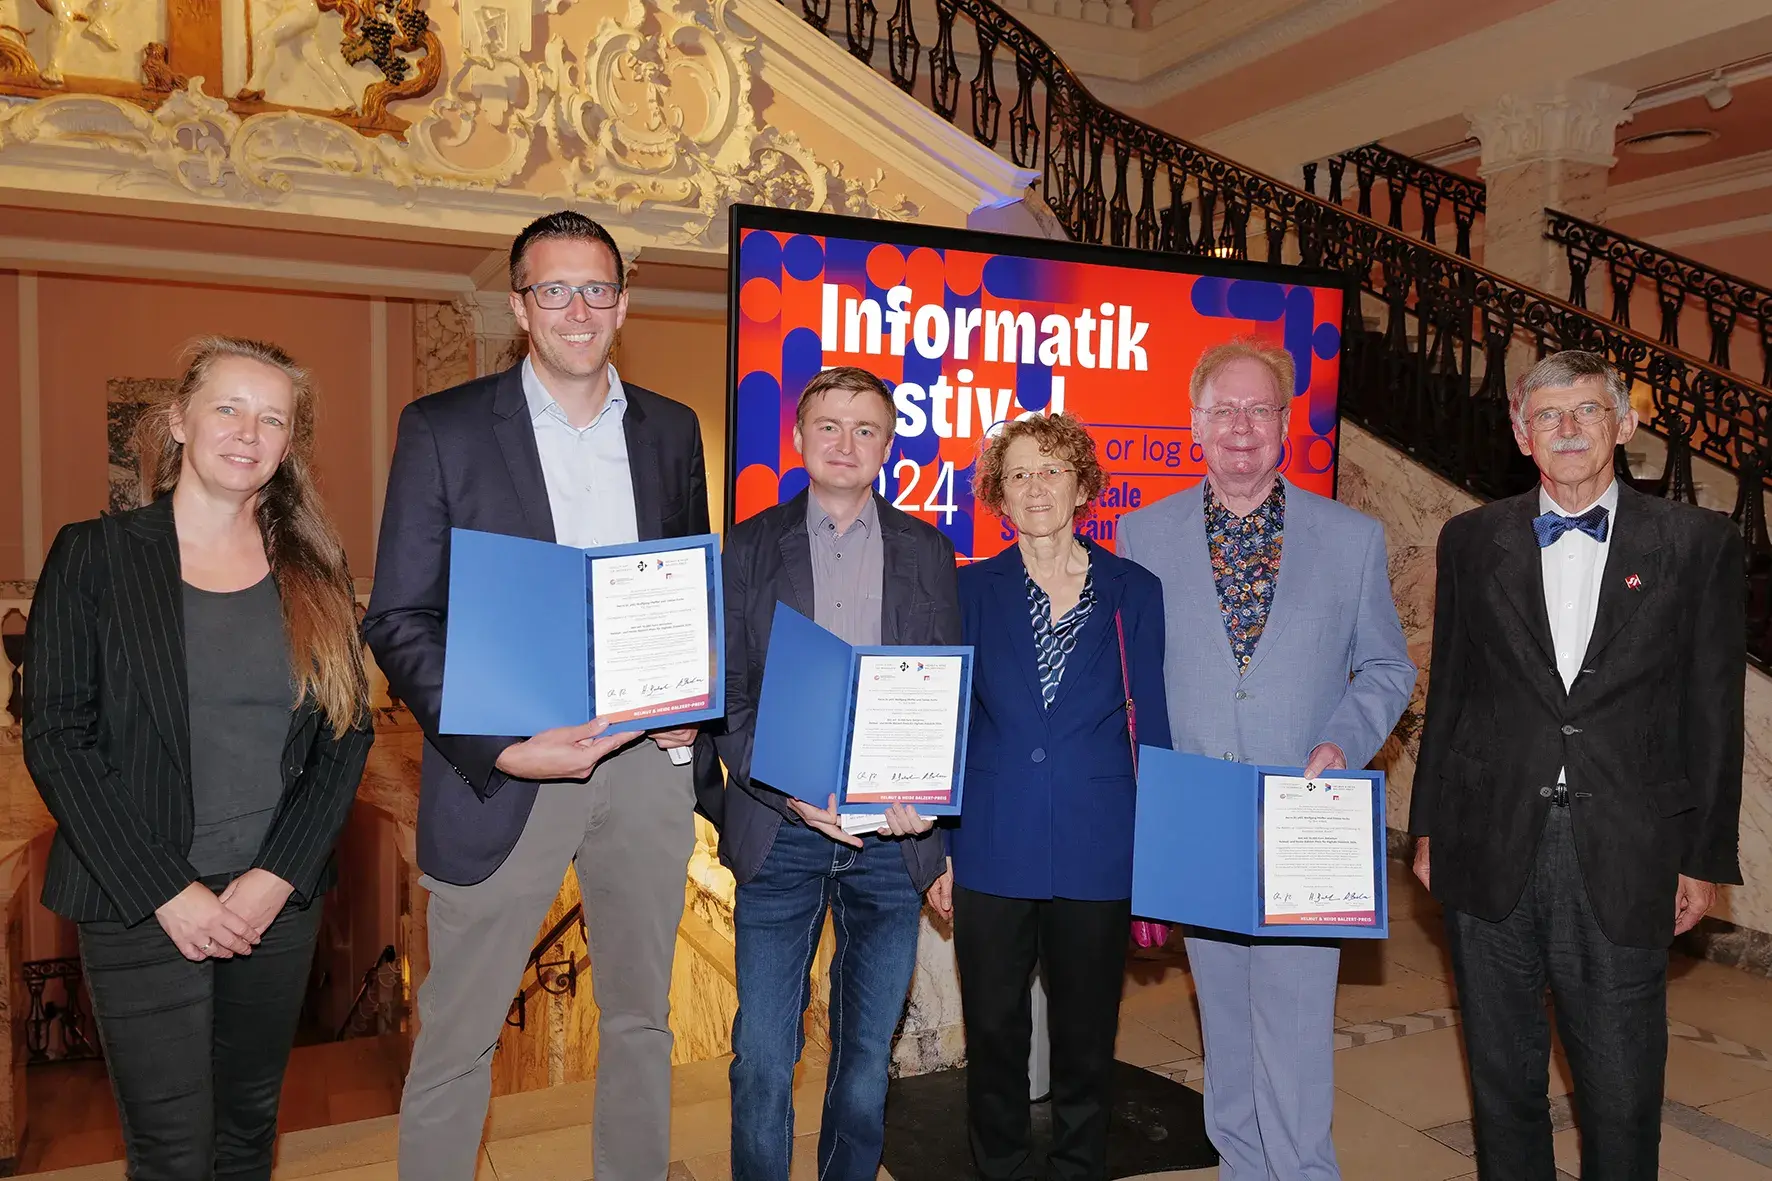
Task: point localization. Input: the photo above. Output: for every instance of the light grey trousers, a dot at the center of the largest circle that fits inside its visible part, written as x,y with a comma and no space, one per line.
629,832
1267,1014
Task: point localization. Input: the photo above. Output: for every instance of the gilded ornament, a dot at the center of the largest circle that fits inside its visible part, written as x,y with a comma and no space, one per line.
382,32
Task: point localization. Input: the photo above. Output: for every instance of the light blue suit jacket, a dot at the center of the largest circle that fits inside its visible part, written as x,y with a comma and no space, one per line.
1331,665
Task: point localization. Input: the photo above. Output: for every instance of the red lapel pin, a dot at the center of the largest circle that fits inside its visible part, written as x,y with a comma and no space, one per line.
1633,581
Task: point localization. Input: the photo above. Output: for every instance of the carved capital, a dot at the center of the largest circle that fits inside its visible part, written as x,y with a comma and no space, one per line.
1568,120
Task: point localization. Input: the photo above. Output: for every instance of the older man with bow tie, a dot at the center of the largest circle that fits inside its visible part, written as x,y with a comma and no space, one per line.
1577,795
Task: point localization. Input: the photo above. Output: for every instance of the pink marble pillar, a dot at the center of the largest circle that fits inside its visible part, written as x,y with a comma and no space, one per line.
1547,147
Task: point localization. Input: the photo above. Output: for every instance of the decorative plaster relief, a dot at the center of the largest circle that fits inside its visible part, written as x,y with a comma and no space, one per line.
653,117
1570,120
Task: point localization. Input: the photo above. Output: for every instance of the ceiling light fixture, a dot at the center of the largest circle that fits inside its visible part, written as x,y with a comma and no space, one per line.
1718,95
1661,143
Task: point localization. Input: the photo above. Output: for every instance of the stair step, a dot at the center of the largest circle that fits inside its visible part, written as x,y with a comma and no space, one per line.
540,1135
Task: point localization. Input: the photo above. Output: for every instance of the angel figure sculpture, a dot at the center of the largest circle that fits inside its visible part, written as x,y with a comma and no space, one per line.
62,19
294,25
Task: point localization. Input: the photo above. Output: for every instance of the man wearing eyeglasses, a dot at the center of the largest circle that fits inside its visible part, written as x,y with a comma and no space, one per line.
557,448
1578,791
1283,648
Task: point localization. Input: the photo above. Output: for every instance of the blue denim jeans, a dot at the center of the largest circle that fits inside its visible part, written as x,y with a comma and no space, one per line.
779,917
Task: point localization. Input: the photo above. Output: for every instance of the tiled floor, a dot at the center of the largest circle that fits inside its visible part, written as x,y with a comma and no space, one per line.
1402,1110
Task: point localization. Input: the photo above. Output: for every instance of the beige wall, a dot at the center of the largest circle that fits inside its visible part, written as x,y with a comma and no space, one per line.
685,360
92,329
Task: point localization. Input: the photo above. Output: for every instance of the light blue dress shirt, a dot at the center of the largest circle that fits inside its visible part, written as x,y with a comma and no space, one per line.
590,485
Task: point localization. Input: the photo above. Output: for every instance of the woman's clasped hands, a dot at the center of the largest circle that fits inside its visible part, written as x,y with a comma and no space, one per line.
205,925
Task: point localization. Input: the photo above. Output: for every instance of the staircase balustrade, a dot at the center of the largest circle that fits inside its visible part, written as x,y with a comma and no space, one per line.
1430,373
558,976
1680,284
58,1025
1432,186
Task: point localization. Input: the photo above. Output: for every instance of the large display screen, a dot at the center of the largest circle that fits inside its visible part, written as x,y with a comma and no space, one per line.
970,330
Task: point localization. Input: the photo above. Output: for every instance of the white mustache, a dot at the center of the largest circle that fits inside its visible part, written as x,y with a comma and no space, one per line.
1563,446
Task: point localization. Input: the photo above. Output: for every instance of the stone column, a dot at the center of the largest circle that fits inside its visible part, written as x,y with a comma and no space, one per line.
488,314
1549,146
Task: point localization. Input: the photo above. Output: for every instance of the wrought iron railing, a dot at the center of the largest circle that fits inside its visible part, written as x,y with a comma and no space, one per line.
1431,374
58,1027
374,1010
1679,282
1432,186
557,976
1688,294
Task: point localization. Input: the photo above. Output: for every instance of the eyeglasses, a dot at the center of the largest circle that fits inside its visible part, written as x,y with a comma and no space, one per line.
1260,414
1586,414
555,296
1046,475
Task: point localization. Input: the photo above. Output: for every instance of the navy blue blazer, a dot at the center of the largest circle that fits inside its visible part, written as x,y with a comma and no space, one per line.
466,458
1050,792
767,559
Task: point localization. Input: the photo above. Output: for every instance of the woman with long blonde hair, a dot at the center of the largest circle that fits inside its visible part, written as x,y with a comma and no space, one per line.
196,719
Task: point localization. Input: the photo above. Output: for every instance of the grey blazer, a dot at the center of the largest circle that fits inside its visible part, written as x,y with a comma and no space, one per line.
1332,664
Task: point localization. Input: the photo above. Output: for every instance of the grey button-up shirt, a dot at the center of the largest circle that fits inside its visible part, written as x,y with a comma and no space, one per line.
848,572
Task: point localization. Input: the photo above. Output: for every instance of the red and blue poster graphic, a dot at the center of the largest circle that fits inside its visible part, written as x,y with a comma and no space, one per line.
971,330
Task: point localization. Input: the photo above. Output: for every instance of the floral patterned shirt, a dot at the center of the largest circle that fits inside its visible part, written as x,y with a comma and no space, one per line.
1246,566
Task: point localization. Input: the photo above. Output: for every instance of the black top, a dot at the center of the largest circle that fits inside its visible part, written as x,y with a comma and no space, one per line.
241,700
107,731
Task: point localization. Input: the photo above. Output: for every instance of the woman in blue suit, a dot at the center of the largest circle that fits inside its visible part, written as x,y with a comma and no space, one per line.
1065,634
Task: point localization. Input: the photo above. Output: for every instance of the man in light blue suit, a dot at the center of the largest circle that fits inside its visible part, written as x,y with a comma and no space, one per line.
1284,649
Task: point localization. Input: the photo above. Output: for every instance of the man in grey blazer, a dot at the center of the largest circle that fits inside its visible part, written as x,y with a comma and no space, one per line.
1283,648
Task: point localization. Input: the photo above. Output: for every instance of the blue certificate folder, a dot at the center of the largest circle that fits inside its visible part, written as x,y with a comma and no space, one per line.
517,657
806,712
1196,855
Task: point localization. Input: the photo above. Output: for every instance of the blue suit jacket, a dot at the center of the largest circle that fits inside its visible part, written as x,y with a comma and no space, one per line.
1332,664
1050,792
466,458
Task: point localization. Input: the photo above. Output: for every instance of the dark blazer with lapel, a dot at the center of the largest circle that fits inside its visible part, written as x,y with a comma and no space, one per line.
466,458
767,560
107,731
1650,730
1050,792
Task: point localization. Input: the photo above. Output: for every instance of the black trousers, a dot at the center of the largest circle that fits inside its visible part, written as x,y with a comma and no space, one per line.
1611,1008
1081,948
197,1050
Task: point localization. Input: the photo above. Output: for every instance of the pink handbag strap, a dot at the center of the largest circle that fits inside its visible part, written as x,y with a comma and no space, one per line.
1126,684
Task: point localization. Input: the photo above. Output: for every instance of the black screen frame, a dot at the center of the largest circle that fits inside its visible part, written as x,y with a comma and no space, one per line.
744,217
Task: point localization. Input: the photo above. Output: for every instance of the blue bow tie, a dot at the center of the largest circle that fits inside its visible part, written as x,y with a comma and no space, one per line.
1550,526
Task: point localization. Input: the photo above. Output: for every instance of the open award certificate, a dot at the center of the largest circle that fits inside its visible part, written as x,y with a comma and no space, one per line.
906,727
1317,856
650,634
543,635
873,725
1261,851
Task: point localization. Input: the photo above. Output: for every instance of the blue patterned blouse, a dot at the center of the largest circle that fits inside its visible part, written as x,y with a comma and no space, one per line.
1246,566
1054,641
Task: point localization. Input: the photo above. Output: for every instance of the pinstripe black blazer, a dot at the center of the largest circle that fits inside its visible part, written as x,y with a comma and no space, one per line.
107,731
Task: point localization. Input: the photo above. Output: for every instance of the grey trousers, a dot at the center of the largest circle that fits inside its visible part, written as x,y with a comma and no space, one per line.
629,832
1267,1012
